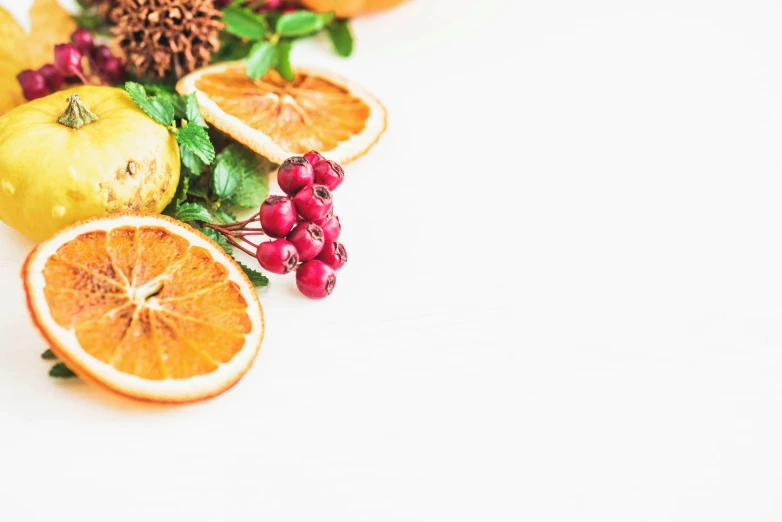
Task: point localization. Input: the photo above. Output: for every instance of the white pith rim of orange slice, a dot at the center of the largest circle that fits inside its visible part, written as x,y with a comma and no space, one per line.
347,151
65,345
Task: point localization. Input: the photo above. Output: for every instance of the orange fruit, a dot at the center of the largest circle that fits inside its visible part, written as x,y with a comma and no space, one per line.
279,119
350,8
145,306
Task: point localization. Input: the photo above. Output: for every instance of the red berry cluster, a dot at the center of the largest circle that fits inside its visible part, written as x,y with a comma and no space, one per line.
67,66
302,223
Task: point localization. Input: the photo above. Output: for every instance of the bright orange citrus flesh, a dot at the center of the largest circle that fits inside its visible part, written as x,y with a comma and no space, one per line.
145,301
310,113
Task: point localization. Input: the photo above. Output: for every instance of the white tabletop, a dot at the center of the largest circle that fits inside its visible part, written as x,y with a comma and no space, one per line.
563,300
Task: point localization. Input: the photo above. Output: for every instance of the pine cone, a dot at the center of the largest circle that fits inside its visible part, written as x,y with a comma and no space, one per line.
167,37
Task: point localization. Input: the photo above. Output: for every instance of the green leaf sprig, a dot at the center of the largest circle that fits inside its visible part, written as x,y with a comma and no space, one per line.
266,39
190,134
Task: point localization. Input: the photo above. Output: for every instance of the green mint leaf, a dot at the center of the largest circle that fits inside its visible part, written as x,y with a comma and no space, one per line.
200,190
196,139
224,216
256,278
252,171
341,37
87,20
231,48
192,162
244,23
301,23
225,180
182,189
262,57
284,60
189,212
61,371
193,111
218,238
48,355
159,110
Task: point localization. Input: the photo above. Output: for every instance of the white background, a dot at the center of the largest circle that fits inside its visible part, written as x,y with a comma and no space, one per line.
563,300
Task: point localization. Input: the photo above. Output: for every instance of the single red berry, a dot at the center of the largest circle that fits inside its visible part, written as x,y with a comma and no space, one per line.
278,256
113,70
270,5
331,228
308,240
314,157
101,54
328,173
289,8
294,174
33,84
278,215
53,78
82,40
316,279
334,255
313,202
67,60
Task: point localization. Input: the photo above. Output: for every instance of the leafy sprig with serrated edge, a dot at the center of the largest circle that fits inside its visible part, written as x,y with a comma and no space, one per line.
265,39
210,185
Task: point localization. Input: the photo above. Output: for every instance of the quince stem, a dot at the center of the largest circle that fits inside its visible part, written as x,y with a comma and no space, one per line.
76,115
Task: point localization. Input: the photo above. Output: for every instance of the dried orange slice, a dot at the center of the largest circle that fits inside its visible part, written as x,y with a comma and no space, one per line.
145,306
279,119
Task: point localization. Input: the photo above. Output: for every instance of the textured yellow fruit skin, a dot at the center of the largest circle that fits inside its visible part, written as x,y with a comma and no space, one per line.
52,176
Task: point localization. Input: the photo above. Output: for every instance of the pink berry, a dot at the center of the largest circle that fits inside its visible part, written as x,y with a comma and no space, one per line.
278,256
313,202
270,5
328,173
294,174
316,279
278,215
33,84
53,78
331,228
101,54
67,60
314,157
82,40
308,240
113,70
334,255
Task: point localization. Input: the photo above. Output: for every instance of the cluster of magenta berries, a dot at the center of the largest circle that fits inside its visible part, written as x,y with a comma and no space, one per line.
67,66
302,225
268,5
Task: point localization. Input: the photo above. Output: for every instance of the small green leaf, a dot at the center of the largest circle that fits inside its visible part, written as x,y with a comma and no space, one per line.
252,171
193,212
256,278
61,371
218,238
262,57
284,60
300,23
225,180
201,190
48,355
191,161
193,111
244,23
159,110
341,37
231,48
87,20
182,189
196,139
223,215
